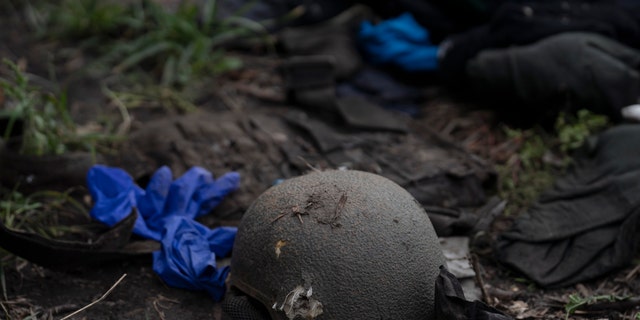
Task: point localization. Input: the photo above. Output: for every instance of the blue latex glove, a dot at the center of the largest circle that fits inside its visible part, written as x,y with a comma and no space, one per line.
115,195
399,41
188,256
167,210
195,193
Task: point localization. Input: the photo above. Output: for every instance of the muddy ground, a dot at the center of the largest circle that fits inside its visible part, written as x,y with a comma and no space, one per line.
34,292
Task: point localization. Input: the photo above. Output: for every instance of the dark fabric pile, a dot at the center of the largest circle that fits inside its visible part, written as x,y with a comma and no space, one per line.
380,88
568,71
531,59
586,226
520,23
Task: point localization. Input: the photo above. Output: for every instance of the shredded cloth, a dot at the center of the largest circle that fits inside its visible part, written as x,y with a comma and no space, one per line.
586,225
166,213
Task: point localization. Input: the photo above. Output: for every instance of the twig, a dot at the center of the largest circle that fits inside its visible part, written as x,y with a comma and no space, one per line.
6,312
338,211
3,282
162,298
309,165
160,312
232,104
96,301
480,280
278,217
632,273
124,127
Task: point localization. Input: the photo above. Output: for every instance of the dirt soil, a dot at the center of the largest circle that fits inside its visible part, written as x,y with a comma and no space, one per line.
30,289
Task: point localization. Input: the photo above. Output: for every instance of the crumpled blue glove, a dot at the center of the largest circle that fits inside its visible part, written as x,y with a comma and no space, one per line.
167,210
193,194
400,41
188,256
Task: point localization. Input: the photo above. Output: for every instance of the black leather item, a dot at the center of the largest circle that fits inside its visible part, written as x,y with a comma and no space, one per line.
66,255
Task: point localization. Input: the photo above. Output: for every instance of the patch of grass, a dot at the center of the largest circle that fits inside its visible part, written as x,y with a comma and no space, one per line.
542,157
50,214
174,46
45,213
525,174
577,302
574,130
77,20
22,308
48,128
145,94
45,116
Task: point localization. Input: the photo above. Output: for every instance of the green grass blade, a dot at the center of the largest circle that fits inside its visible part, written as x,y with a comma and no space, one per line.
144,54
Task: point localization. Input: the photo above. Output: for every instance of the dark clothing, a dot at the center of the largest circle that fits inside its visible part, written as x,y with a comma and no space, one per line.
451,303
382,89
442,18
522,23
586,226
570,71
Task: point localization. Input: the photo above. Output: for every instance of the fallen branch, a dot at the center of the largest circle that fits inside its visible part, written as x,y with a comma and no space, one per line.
96,301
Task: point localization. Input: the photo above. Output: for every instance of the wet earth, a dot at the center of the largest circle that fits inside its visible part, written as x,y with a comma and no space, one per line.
30,291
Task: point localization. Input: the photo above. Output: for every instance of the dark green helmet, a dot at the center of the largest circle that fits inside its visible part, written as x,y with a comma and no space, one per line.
338,245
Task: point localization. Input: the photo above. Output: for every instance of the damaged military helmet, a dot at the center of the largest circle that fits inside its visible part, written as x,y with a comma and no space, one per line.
334,245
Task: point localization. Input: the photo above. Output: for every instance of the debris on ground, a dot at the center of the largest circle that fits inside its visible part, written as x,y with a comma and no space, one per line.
506,121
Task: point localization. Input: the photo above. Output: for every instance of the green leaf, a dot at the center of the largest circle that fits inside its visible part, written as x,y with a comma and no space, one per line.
144,54
208,15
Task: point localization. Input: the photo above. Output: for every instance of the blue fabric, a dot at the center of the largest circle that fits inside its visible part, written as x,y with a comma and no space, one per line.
166,213
400,41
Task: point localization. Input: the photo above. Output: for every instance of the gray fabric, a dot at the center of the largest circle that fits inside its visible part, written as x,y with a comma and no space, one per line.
586,225
570,70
